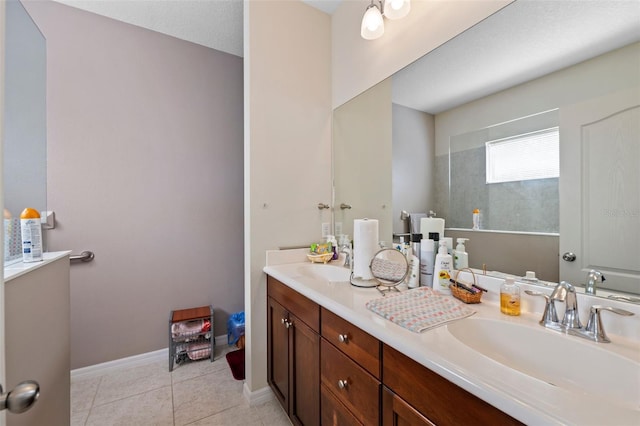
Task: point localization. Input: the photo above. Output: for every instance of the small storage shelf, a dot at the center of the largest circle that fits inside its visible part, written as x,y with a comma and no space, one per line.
191,335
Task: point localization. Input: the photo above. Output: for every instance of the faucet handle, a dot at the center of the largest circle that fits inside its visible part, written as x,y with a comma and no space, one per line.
550,315
594,325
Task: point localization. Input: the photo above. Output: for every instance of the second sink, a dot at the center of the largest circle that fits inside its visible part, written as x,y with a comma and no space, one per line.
562,361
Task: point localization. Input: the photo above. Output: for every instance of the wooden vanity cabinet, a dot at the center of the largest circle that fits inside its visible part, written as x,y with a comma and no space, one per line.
350,370
293,352
325,370
433,396
396,411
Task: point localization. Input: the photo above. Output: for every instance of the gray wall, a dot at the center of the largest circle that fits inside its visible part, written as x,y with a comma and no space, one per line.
413,159
511,253
145,140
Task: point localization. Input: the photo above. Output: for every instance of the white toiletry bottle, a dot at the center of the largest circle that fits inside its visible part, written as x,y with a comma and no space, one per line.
413,277
461,257
442,269
426,263
413,280
476,219
31,229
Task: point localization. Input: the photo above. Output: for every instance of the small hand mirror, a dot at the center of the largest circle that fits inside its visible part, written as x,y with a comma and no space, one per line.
389,267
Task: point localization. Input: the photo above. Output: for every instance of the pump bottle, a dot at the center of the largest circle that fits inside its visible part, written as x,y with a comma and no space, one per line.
510,297
442,269
461,257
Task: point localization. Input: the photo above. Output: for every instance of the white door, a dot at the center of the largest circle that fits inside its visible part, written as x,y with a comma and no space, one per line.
600,190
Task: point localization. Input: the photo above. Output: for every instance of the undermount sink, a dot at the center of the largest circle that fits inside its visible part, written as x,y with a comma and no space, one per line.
331,273
562,361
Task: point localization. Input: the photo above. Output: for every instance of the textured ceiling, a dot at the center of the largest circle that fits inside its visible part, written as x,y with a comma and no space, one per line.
212,23
523,41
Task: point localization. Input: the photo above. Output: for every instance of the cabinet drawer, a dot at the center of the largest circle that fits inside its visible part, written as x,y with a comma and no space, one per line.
361,394
355,343
334,413
441,401
305,309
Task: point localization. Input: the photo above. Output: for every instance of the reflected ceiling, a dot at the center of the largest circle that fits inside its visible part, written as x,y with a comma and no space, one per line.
539,36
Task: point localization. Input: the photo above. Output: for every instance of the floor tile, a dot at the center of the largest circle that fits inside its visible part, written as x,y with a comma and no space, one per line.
150,408
83,392
196,393
78,418
132,381
206,395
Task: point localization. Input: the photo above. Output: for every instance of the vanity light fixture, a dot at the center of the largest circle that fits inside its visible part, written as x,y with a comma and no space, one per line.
373,23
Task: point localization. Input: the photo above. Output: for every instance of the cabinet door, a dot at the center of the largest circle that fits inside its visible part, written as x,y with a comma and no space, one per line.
334,413
278,351
396,412
304,373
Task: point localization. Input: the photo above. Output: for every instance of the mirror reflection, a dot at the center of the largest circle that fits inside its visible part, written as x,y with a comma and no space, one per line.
25,150
434,121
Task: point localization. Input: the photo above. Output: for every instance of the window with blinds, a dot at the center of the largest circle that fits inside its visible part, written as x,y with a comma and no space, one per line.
534,155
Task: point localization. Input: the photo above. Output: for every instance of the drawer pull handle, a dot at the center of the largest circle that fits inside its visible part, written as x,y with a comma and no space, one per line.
286,322
342,384
343,338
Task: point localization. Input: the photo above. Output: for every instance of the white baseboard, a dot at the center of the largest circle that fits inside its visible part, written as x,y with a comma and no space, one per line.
131,361
257,397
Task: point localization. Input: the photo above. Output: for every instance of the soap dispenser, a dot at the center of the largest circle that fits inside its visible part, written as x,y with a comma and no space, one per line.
510,297
461,257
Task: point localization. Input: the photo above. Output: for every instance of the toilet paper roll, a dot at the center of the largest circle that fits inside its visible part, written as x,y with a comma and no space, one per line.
365,246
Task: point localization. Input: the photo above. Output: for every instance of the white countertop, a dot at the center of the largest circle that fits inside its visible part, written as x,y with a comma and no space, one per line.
526,398
17,269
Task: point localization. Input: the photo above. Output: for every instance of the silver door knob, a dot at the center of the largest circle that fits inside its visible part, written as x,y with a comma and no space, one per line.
569,257
343,338
344,206
21,398
342,384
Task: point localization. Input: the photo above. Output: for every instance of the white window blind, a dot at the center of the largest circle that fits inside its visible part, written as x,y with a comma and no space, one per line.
529,156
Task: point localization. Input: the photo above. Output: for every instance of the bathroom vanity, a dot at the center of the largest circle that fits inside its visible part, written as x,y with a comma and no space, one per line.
332,361
354,368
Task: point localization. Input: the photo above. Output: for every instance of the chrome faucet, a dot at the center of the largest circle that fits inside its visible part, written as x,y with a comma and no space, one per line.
570,324
346,249
565,292
593,277
594,329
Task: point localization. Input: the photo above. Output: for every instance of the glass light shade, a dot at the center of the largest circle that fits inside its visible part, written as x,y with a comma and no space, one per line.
396,9
372,23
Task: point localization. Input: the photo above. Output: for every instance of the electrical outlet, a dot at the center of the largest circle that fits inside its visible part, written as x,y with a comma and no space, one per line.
326,229
338,226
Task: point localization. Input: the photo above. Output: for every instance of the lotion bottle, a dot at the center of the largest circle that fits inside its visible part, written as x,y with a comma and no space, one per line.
442,269
461,257
31,229
426,263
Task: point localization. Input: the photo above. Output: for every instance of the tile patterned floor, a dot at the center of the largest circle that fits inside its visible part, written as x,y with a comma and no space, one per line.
197,393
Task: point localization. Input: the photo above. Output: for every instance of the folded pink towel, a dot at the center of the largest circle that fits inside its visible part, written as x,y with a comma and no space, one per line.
199,350
189,329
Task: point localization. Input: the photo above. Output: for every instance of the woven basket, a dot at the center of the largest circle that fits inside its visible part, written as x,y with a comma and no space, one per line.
462,294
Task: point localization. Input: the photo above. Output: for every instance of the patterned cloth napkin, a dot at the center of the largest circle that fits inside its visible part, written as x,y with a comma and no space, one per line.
419,309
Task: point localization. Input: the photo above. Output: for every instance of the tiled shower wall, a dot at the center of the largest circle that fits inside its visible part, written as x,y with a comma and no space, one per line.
524,206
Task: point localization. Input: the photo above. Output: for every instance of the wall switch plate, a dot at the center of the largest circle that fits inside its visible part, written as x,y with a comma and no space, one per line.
326,230
338,226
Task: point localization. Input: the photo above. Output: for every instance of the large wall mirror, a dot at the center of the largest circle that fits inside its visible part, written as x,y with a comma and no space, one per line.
25,138
418,142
